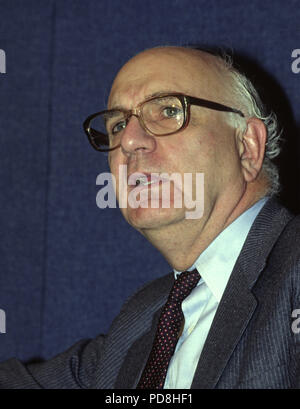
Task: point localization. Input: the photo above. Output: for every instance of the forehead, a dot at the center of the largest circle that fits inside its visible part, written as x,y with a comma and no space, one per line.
165,70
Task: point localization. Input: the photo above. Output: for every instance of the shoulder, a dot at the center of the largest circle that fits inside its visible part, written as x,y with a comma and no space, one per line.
281,274
286,254
275,228
287,245
152,292
138,310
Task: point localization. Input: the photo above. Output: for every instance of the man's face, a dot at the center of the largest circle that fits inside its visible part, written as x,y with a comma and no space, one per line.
207,145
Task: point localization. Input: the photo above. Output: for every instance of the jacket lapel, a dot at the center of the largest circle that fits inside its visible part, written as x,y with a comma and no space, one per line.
238,302
231,319
137,356
131,335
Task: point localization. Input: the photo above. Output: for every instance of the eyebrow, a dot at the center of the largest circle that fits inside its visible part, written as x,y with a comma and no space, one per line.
153,95
159,93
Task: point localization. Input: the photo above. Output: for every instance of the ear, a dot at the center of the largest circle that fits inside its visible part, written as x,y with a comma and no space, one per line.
252,148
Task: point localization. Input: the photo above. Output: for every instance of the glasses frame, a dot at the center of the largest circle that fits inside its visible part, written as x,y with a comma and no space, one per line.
186,101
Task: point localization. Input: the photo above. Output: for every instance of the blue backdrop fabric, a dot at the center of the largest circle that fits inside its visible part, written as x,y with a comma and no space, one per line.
66,266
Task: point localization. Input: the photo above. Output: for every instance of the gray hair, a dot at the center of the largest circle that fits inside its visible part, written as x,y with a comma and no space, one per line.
249,102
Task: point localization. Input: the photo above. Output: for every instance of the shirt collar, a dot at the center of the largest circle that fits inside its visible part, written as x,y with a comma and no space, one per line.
216,262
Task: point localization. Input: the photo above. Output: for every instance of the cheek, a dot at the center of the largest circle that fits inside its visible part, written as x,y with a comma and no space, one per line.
201,152
226,164
213,152
173,149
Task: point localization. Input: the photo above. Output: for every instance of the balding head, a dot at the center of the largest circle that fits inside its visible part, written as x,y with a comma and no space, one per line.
214,77
196,70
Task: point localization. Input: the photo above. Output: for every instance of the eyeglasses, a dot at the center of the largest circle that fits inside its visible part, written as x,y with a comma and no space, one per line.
161,115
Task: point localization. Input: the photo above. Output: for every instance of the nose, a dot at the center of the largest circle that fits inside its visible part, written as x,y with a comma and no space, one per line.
135,138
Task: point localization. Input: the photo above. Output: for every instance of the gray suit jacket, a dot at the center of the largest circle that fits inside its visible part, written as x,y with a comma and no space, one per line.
251,343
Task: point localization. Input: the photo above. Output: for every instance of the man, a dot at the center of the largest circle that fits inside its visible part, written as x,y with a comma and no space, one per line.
180,111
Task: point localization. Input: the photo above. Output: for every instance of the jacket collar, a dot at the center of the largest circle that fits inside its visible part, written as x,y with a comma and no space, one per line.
238,302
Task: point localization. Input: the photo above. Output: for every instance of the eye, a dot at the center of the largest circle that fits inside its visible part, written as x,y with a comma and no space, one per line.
171,112
120,126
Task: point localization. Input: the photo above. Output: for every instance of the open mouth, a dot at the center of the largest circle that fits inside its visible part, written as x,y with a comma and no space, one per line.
143,181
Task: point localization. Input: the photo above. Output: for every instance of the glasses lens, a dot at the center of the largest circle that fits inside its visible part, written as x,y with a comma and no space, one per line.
163,115
105,129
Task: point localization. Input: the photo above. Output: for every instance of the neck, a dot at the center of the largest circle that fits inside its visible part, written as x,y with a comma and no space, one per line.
182,243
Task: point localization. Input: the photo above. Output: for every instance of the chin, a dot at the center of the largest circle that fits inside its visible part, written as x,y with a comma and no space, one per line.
149,218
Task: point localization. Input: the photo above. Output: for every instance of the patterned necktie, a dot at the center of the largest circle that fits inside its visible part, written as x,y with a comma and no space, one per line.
166,337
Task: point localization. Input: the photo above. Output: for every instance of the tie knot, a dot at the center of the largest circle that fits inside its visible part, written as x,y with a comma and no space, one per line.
183,285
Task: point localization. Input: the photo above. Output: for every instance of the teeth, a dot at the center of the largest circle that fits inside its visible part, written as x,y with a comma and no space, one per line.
143,181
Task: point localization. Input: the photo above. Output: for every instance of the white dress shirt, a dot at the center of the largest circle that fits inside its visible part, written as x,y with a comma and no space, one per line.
214,265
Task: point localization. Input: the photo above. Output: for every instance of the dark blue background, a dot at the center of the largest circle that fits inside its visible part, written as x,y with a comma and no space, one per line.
66,266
